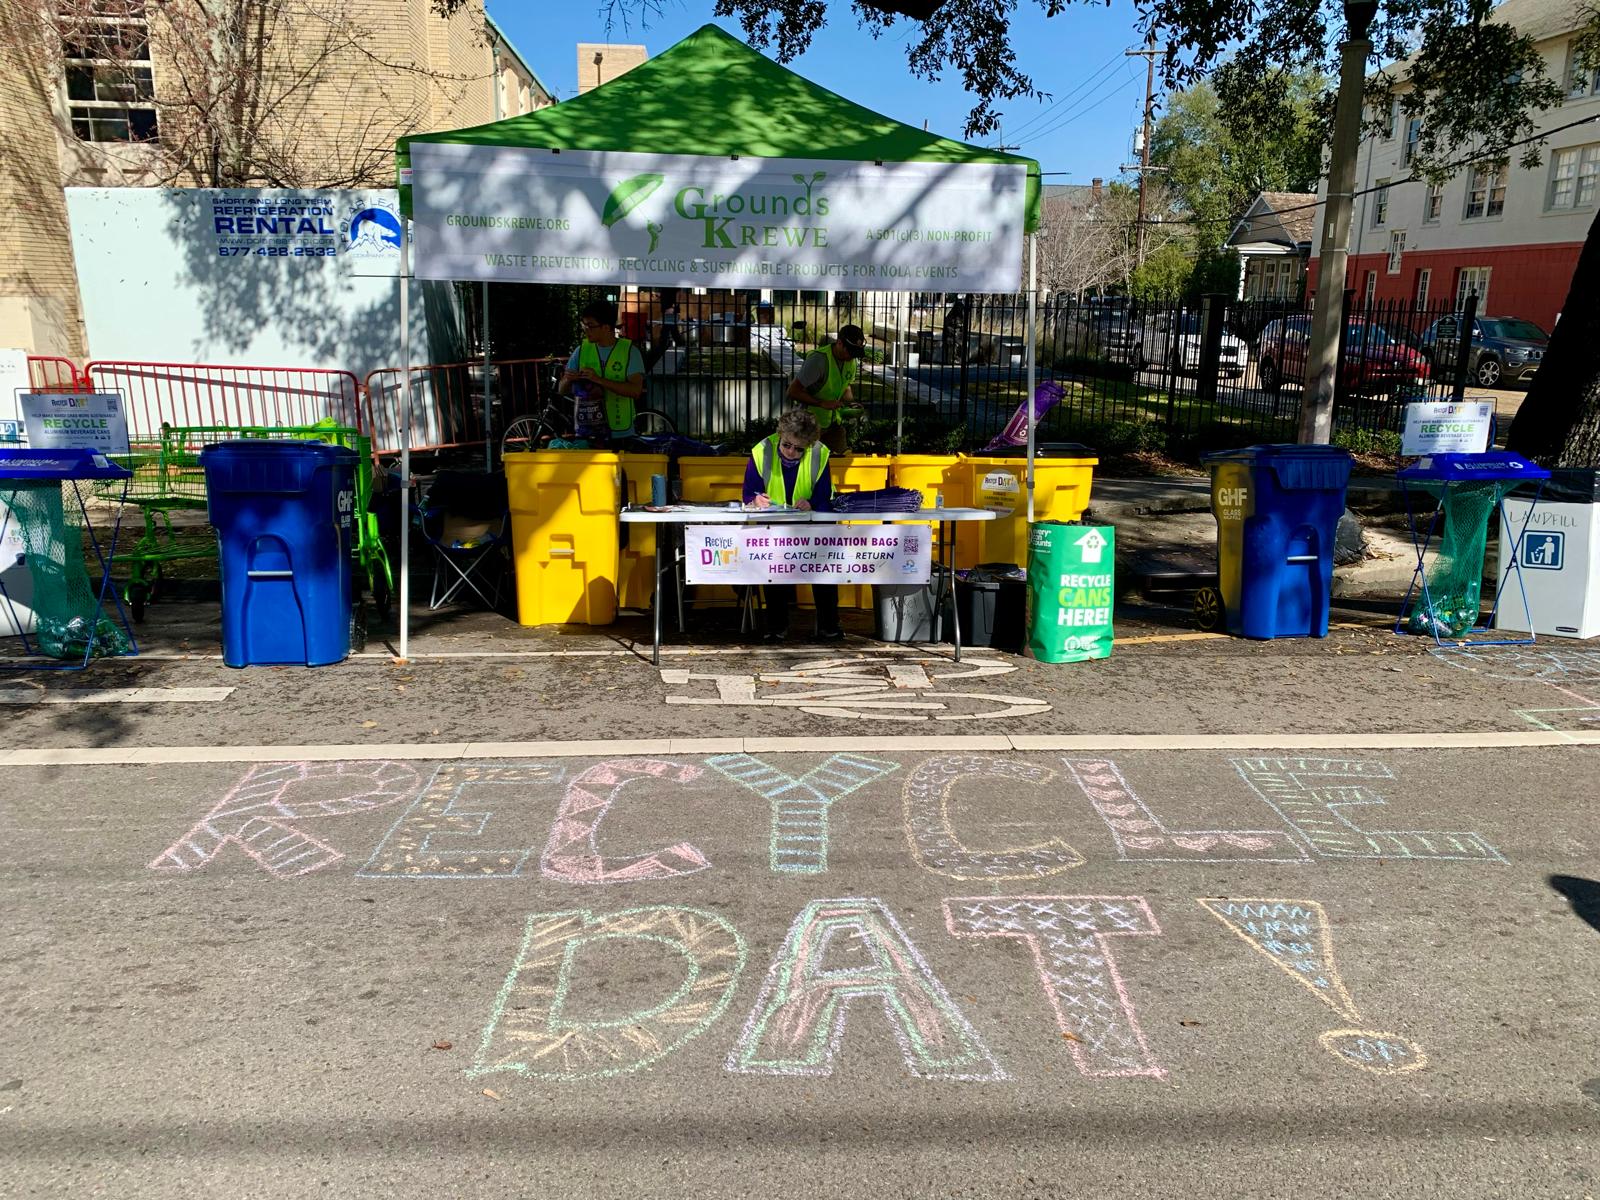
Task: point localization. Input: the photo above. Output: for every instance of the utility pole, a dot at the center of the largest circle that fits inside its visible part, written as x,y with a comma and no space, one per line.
1149,54
1327,314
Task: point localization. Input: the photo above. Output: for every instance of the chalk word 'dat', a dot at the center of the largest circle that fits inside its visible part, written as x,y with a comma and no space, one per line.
260,814
1293,935
531,1031
838,952
1067,938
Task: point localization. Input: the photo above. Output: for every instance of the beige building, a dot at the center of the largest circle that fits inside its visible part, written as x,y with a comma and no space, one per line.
601,62
105,93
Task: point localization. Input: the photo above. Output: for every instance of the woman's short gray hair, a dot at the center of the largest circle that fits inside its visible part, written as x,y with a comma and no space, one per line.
798,423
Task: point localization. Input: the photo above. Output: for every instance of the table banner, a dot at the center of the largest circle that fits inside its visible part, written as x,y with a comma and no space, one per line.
807,554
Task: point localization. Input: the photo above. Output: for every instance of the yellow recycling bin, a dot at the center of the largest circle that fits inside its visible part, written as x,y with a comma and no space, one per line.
564,506
854,473
637,558
1060,493
935,476
709,480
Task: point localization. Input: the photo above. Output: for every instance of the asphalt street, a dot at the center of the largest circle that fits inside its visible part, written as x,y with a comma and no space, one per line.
523,917
975,975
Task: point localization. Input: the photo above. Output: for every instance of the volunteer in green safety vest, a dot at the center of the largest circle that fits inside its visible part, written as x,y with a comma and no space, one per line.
790,469
824,381
605,375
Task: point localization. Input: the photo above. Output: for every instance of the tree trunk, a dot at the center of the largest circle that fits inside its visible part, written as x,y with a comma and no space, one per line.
1558,424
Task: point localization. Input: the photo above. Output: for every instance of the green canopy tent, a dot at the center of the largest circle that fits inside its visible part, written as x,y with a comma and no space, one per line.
679,173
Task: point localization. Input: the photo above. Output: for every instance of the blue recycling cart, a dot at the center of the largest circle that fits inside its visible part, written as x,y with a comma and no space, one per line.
1466,491
284,512
72,620
1277,511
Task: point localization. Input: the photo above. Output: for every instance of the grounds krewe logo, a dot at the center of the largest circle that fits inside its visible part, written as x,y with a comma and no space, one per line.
728,221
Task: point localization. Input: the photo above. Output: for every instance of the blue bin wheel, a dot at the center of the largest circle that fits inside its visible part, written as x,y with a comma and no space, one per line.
358,627
1208,609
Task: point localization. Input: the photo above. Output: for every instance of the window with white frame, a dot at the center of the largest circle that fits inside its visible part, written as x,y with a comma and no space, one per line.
1433,202
1388,118
1380,203
1486,193
1424,278
1413,136
1581,81
1397,250
1473,279
1370,293
110,90
1574,176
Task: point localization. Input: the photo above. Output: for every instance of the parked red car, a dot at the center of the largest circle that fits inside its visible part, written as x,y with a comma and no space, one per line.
1374,362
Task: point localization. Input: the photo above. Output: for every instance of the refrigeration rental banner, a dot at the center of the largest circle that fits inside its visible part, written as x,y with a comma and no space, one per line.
807,554
579,216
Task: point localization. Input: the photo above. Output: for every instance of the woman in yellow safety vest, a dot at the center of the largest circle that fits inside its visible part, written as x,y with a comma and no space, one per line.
790,470
605,375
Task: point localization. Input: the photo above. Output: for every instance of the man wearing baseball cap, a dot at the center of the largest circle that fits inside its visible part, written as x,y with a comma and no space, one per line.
824,381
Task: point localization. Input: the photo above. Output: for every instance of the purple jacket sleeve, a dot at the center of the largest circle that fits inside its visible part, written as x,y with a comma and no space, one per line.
822,494
752,481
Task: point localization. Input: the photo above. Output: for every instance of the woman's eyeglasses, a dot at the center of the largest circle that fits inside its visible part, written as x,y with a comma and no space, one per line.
796,447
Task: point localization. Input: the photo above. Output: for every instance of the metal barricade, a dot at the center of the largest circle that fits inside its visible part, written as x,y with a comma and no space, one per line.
208,394
50,373
447,401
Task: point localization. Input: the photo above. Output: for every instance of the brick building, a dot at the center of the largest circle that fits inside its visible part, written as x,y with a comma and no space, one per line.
121,101
1512,235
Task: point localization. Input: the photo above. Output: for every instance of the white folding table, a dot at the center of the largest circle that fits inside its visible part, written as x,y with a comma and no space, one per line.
672,520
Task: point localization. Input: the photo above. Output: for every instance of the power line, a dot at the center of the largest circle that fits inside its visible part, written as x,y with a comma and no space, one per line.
1069,118
1054,104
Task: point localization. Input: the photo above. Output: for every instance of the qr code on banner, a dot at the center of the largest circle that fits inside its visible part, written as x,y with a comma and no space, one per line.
913,543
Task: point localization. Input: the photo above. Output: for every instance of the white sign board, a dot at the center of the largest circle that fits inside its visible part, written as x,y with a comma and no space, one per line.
1560,559
75,421
13,379
1443,428
242,276
522,214
814,554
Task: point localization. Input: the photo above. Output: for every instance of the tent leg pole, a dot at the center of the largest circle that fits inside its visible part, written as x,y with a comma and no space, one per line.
488,387
902,360
405,440
1032,352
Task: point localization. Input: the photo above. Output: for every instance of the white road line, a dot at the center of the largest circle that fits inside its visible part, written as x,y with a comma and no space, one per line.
1075,743
129,695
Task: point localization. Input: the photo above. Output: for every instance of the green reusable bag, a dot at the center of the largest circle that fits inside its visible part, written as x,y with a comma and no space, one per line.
1071,591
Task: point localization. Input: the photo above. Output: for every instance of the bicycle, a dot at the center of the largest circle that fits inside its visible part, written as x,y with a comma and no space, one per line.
558,419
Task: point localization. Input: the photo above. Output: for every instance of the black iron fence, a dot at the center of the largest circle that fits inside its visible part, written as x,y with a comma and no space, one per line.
943,374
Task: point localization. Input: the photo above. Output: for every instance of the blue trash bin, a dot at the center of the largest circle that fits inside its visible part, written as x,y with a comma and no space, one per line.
283,512
1277,510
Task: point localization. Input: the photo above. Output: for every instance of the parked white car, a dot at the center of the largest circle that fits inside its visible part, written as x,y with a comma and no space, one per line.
1173,340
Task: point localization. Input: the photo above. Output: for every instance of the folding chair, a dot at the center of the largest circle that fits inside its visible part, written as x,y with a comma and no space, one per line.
466,518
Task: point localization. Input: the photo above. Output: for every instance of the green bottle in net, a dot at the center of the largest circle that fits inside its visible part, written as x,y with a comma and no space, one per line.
1071,591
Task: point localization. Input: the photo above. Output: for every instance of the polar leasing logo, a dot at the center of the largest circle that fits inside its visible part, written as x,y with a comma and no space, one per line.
373,233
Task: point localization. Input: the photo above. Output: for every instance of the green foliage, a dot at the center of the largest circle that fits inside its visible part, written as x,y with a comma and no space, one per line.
1126,437
1215,272
1164,275
1224,141
1085,365
1380,443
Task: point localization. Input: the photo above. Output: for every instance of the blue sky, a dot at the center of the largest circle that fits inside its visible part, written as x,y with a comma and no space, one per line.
1086,129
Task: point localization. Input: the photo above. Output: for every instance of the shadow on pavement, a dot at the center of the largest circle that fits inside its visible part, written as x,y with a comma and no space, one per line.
1582,894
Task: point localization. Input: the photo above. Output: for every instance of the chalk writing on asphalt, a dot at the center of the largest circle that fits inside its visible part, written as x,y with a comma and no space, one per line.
839,952
927,807
531,1030
473,821
1313,794
1141,836
901,689
1294,936
261,814
800,807
572,854
1067,937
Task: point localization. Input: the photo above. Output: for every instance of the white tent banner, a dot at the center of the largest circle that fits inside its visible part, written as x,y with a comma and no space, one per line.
531,215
